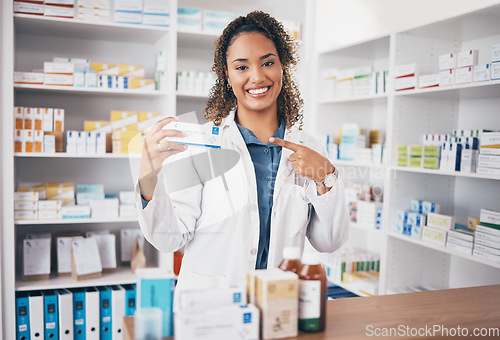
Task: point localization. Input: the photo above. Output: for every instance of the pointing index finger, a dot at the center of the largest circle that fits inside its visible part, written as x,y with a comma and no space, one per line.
284,143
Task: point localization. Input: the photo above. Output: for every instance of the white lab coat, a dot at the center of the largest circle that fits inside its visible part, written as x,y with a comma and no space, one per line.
220,229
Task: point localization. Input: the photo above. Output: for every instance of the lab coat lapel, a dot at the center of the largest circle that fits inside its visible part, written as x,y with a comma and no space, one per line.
285,168
236,142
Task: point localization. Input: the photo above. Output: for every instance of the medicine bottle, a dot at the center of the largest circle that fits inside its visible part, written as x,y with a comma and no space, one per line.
312,294
291,260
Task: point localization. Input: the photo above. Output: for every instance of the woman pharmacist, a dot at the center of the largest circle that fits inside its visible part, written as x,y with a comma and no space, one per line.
280,190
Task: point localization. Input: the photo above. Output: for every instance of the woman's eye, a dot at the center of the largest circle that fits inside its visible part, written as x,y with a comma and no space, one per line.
241,68
268,63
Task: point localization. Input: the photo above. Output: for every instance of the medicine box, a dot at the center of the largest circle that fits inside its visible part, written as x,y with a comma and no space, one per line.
156,20
59,11
28,8
204,135
18,141
48,119
156,7
435,235
277,299
230,322
201,300
127,17
155,288
189,19
405,83
38,118
440,221
495,71
430,80
33,78
58,79
25,205
405,70
482,73
463,75
128,5
447,61
28,140
495,53
447,77
467,58
37,141
58,68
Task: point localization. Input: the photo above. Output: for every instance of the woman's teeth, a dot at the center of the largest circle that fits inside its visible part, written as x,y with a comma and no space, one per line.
258,91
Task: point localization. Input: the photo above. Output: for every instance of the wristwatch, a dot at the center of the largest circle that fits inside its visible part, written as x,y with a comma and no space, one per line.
329,180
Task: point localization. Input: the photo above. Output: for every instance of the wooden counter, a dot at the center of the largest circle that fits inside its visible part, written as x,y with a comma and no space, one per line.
355,318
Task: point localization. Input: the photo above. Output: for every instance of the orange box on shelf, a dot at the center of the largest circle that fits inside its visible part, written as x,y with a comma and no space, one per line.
58,119
19,117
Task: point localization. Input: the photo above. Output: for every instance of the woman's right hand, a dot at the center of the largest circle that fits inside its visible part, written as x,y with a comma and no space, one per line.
154,152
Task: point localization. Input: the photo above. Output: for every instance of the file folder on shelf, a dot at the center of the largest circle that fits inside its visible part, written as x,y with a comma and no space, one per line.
92,313
79,313
65,300
36,315
117,311
22,316
50,314
130,299
105,307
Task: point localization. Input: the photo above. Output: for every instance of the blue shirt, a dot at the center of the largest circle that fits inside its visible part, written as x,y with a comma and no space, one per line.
265,158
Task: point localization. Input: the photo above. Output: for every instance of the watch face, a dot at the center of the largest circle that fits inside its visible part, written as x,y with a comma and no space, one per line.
330,180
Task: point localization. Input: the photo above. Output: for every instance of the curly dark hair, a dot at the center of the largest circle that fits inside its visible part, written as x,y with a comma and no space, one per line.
222,99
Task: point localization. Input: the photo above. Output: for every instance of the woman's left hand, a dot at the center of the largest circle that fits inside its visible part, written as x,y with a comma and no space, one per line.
307,162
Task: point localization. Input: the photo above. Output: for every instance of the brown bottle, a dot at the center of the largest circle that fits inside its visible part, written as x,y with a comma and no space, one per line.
291,260
312,295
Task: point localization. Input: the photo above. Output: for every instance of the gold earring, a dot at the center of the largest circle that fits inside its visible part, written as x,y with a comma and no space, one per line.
228,86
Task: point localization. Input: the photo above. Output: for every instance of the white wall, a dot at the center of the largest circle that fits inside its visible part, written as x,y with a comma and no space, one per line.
341,22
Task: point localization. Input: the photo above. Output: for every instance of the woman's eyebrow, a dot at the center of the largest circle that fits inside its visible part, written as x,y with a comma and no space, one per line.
245,59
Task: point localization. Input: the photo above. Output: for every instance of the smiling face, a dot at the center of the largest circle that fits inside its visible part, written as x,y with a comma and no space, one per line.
254,72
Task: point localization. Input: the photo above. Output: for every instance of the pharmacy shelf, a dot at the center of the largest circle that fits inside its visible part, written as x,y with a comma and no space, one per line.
71,28
445,173
185,95
487,89
77,221
89,91
444,249
67,155
122,275
197,39
349,287
372,99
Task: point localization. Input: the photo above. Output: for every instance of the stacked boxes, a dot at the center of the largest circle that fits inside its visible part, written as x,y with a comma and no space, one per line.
32,7
60,8
189,19
156,13
127,204
353,266
495,62
127,11
405,77
29,205
412,222
489,154
437,228
487,236
460,238
37,129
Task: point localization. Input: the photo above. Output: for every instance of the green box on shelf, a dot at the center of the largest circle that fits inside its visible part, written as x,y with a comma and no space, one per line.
431,163
402,160
403,150
415,162
416,150
431,151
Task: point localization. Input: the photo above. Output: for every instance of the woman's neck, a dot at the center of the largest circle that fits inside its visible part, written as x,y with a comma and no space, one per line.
262,124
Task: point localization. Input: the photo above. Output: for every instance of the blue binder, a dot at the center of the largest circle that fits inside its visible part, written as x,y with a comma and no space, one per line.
79,313
105,313
130,299
50,314
22,316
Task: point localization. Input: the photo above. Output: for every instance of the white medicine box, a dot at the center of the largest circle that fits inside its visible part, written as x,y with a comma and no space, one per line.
467,58
447,61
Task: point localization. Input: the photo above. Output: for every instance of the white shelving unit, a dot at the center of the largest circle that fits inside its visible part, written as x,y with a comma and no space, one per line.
406,116
35,39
